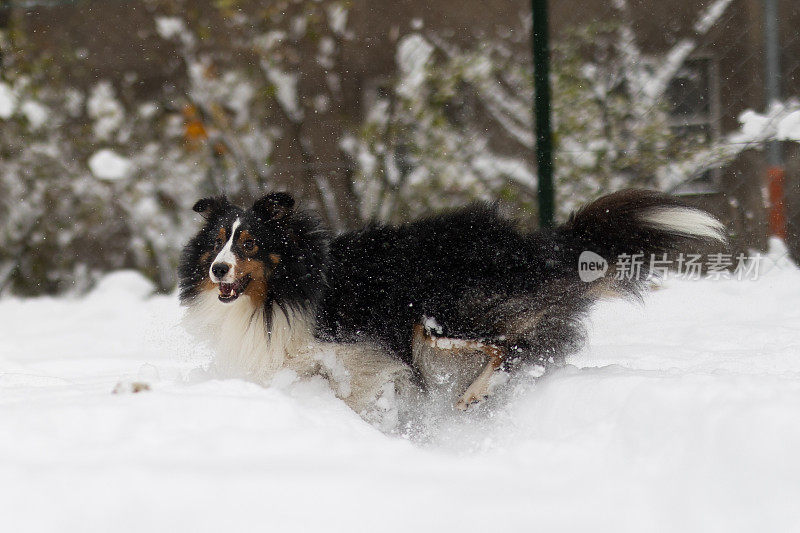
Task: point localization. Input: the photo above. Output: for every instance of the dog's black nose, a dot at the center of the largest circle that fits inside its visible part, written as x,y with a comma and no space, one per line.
220,269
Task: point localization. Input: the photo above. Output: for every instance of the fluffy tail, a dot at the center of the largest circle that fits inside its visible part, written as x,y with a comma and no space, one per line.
628,228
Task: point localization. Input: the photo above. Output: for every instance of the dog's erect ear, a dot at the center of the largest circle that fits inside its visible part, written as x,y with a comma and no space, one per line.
208,207
274,206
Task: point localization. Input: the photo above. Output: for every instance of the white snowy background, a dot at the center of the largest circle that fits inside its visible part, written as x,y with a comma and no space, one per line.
681,414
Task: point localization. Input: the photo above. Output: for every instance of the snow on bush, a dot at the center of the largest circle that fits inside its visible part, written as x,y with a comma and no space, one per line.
413,57
170,27
107,165
789,128
7,101
780,122
36,113
104,108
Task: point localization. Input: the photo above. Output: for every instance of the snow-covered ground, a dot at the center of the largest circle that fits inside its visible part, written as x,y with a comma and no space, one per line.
681,415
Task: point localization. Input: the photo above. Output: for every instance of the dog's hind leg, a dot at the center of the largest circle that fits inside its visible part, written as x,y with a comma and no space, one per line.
546,345
542,333
452,365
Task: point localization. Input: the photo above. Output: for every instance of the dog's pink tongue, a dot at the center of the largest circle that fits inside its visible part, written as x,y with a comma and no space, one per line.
226,289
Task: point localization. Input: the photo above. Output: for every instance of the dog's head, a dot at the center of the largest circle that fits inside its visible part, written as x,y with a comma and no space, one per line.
270,252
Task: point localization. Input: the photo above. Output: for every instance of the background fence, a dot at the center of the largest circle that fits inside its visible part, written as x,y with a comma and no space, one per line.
116,116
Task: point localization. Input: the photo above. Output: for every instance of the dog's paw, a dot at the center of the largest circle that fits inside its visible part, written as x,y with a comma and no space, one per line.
472,396
383,412
481,388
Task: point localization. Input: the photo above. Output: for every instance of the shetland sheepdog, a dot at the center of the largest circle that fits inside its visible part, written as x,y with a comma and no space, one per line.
379,311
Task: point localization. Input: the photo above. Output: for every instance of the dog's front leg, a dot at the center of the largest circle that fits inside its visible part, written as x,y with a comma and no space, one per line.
371,381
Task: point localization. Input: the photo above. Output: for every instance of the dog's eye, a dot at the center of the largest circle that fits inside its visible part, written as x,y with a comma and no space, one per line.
248,245
217,243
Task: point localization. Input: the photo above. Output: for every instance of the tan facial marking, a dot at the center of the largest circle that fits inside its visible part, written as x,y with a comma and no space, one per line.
257,288
274,258
208,285
245,236
221,235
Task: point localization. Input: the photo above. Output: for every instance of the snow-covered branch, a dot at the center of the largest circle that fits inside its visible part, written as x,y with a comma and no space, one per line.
781,122
652,85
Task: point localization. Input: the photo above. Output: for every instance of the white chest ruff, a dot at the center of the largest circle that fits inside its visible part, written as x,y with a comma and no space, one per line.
245,344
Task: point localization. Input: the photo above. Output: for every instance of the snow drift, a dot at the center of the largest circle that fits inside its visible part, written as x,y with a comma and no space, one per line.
680,415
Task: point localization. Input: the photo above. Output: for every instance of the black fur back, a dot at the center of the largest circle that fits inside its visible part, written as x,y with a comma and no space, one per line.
480,277
476,273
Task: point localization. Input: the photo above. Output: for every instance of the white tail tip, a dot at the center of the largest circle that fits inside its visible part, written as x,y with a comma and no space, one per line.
685,221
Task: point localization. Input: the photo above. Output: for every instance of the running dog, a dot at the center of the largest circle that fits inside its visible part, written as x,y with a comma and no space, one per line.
374,309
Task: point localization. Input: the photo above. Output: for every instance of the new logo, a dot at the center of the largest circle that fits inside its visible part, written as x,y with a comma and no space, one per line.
591,266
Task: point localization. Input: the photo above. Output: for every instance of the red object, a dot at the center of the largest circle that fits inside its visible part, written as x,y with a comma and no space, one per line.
777,209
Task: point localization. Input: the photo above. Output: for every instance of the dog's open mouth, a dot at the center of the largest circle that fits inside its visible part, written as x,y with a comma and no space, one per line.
228,292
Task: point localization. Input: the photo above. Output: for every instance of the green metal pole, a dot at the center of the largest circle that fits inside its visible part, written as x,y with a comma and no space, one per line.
544,134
